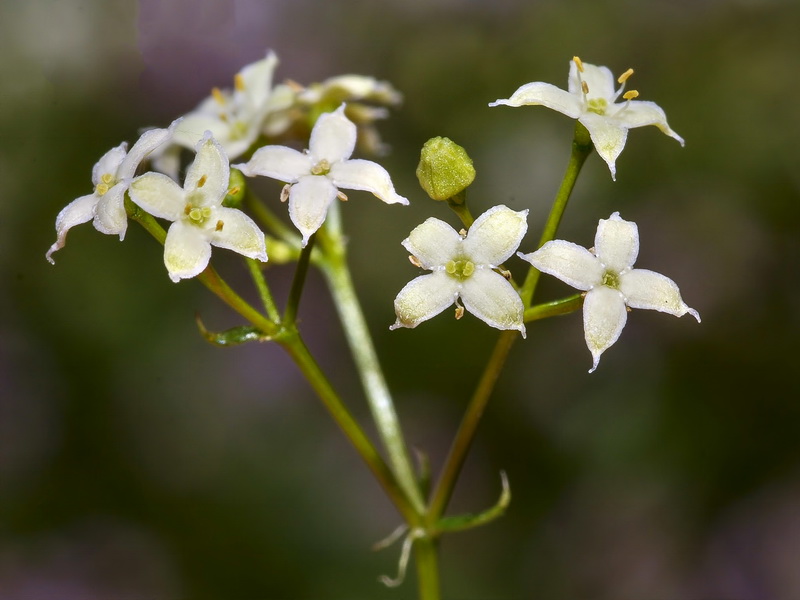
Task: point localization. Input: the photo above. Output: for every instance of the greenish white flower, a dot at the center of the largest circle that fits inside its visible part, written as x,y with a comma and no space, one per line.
315,176
611,283
199,219
111,176
591,97
235,117
463,267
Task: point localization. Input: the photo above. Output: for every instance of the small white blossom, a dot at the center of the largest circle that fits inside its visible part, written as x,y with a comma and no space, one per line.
611,283
200,220
592,99
464,267
111,177
315,176
234,117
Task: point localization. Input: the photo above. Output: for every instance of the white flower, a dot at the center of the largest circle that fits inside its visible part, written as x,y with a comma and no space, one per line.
315,176
200,220
611,283
463,267
592,100
234,117
111,177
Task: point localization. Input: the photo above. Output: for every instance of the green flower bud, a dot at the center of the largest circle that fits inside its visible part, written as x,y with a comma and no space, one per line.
444,168
236,189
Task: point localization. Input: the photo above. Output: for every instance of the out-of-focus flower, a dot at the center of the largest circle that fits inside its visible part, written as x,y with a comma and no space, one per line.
611,283
464,268
200,220
315,176
111,177
591,97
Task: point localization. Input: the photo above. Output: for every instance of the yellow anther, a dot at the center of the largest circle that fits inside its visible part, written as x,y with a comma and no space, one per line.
585,87
233,191
578,63
219,226
630,95
414,261
238,82
624,77
202,181
459,312
218,96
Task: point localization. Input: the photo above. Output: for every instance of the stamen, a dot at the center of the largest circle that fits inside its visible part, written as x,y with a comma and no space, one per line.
218,96
578,63
342,196
285,192
238,82
624,77
630,95
107,178
233,191
585,87
459,311
101,189
414,261
219,226
202,181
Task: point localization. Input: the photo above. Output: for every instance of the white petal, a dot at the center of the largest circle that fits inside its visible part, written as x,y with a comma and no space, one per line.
423,298
616,243
109,163
646,289
186,251
571,263
257,78
544,94
365,175
608,138
208,176
434,243
194,126
149,141
279,162
495,235
604,316
309,200
159,195
599,80
636,113
109,214
333,137
239,233
492,299
76,212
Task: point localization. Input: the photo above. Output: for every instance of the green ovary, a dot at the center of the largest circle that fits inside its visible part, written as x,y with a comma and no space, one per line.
460,269
597,106
611,279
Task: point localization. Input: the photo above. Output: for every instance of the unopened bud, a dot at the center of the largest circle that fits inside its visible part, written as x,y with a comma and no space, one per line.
444,168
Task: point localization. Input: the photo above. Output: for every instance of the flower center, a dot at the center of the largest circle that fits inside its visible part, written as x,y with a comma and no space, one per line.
323,167
459,269
610,279
597,105
197,215
107,181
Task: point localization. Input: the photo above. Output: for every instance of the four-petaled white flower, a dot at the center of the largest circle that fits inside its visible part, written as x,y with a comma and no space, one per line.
464,267
234,117
111,176
315,176
200,220
611,283
591,98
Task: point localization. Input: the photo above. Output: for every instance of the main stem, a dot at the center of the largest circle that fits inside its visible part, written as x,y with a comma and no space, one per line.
581,148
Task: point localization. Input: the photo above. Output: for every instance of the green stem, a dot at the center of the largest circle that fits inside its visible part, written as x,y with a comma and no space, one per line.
337,274
290,340
263,290
458,204
426,557
581,148
298,282
555,308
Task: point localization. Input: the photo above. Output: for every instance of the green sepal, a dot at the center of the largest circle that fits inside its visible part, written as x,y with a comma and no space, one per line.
233,336
469,520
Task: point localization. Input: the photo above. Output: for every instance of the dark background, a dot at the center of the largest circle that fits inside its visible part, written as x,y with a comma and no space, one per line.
137,461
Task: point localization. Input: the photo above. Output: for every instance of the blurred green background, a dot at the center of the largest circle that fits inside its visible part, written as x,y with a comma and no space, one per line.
137,461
